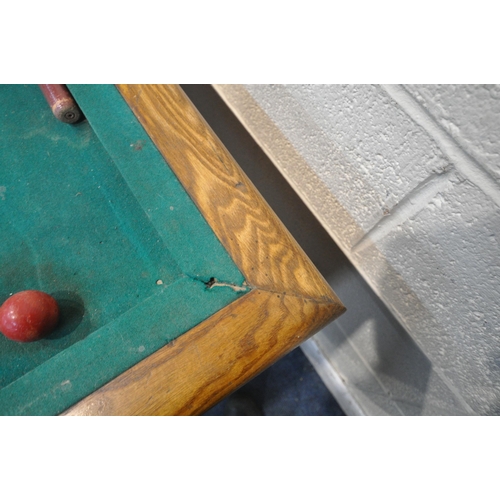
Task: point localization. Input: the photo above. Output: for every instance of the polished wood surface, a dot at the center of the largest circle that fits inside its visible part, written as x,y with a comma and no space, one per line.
201,367
289,300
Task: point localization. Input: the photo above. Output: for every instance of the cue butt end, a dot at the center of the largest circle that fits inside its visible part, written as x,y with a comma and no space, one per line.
61,102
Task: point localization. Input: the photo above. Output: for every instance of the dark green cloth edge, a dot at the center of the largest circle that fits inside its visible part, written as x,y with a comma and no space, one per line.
197,250
66,378
69,376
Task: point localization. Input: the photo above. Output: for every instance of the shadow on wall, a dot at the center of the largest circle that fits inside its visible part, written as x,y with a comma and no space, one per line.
397,371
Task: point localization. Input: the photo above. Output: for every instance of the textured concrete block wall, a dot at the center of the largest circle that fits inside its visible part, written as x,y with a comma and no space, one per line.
406,179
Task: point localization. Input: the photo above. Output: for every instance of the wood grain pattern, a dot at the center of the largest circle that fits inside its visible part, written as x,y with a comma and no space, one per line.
290,300
257,241
194,372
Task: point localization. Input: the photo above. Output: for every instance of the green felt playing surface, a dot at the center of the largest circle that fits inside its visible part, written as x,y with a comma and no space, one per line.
92,214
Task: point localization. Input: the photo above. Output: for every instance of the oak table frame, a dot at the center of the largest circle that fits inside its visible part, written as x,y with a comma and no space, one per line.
289,300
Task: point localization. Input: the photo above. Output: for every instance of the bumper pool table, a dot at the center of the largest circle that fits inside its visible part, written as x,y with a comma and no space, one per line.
176,282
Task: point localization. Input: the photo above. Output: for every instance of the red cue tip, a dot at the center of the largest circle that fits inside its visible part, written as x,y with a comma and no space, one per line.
61,102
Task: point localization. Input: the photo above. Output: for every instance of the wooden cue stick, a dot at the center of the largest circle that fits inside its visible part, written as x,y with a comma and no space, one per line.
61,102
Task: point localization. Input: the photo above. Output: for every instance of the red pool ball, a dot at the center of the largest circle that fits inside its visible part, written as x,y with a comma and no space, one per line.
28,316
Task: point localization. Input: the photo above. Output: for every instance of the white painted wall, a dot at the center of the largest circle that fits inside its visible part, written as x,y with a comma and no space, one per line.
406,179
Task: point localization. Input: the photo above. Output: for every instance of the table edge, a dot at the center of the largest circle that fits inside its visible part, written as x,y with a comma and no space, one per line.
289,301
